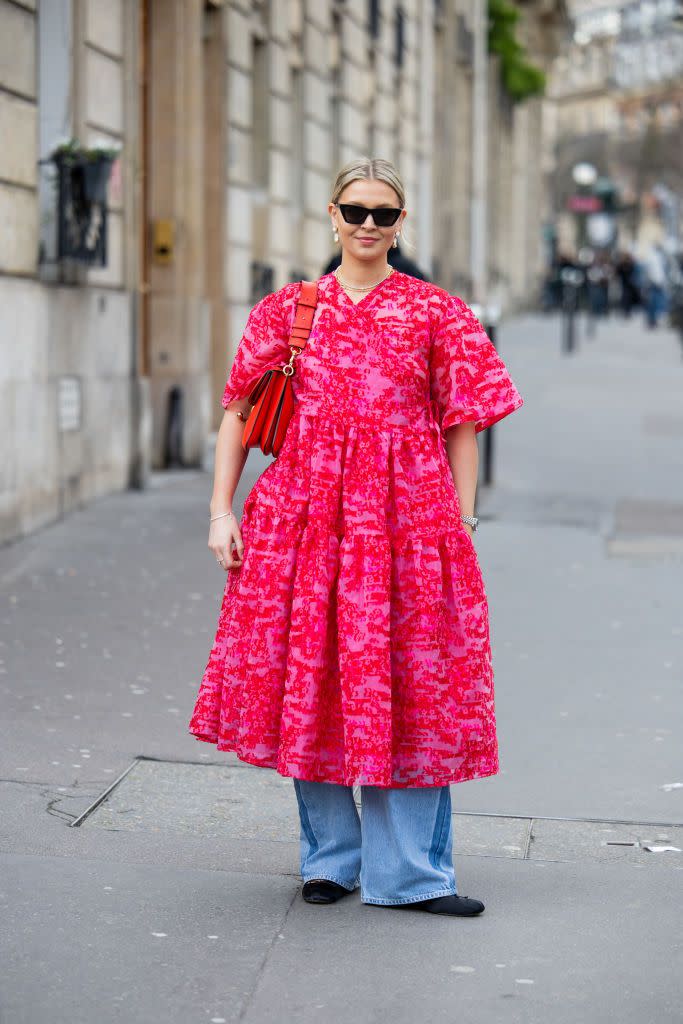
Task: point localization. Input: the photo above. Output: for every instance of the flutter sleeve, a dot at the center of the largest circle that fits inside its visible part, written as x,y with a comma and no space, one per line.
263,344
468,379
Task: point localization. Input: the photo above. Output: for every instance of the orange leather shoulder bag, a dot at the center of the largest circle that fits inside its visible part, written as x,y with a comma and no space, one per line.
273,396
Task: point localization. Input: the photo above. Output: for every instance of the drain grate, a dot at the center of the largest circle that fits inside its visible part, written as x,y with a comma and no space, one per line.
238,801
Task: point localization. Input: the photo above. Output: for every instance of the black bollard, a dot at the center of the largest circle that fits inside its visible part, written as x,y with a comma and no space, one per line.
488,434
571,282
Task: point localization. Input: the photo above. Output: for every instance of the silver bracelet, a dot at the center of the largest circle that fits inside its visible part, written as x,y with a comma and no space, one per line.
221,516
472,520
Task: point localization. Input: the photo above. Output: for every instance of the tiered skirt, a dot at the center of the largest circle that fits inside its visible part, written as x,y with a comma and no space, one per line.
353,642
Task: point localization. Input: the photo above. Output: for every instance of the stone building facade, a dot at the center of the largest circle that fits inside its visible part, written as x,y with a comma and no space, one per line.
68,351
233,117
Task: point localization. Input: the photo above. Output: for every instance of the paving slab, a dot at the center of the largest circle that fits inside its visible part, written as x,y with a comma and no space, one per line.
89,940
239,802
94,940
556,943
609,842
233,802
36,820
202,799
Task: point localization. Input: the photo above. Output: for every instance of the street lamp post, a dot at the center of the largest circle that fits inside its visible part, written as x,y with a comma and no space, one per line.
572,279
584,176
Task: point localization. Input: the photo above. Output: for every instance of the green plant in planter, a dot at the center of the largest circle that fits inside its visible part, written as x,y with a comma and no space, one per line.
72,151
91,165
520,77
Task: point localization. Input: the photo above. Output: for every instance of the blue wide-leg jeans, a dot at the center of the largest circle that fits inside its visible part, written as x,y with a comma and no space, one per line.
400,849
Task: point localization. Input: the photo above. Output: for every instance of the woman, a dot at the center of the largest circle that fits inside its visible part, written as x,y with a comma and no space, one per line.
353,644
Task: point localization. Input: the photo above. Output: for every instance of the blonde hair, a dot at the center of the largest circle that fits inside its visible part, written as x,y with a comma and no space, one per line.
368,169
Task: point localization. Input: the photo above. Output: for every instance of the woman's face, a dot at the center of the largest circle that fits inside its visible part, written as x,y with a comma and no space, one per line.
366,241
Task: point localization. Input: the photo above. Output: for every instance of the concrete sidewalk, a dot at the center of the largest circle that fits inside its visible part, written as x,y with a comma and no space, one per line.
177,897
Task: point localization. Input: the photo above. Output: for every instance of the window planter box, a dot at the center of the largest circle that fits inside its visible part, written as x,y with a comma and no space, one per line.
82,207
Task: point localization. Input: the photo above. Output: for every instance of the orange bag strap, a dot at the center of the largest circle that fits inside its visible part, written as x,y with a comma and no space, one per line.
303,318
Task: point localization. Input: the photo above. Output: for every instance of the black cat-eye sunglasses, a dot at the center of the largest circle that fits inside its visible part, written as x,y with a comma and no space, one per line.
383,216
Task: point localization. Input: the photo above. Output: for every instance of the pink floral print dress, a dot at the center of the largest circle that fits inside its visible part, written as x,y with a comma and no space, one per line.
353,642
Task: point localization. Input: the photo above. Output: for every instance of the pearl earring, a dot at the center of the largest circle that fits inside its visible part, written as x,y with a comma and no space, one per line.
336,234
395,242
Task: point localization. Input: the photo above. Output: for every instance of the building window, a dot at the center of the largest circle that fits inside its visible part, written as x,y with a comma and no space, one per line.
55,46
399,37
464,42
335,87
373,18
297,169
260,119
297,152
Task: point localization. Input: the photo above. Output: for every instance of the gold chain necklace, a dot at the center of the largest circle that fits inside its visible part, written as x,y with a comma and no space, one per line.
357,288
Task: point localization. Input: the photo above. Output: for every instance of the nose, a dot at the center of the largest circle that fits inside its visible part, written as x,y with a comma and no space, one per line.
370,219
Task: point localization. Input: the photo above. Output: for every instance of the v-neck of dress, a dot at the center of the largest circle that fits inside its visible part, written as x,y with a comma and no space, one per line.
369,295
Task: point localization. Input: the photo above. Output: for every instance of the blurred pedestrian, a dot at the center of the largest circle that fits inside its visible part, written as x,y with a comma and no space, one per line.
676,289
629,292
598,277
655,275
553,287
353,641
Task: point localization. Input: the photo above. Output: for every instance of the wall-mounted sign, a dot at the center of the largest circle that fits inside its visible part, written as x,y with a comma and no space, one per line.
69,405
163,241
584,204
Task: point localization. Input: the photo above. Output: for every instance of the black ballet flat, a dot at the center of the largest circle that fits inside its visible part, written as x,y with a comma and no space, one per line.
460,906
321,890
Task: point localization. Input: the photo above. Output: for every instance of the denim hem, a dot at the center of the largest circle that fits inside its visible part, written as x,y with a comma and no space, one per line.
330,878
410,899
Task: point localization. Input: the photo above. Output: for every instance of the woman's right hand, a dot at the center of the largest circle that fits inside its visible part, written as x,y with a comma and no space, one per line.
223,533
